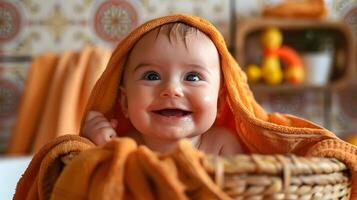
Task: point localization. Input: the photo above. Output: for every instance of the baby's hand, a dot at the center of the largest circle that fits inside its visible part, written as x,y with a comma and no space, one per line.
98,129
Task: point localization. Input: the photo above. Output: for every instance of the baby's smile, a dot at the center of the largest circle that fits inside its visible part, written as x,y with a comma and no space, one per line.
172,112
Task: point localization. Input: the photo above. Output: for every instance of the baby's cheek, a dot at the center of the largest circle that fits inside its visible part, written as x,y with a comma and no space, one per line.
206,113
208,105
208,99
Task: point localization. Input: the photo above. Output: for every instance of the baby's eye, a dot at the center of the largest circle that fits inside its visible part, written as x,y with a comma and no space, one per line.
193,76
151,76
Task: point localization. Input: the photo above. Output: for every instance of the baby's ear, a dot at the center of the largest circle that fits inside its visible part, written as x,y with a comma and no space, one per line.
123,101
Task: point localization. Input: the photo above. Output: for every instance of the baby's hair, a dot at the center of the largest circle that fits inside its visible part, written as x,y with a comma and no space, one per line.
179,30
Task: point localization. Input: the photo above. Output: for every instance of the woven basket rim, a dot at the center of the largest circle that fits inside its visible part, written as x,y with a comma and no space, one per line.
273,164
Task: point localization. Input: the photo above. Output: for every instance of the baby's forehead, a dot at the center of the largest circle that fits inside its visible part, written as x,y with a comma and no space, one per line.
173,43
175,33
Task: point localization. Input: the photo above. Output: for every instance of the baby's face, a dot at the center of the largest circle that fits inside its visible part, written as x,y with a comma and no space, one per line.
171,89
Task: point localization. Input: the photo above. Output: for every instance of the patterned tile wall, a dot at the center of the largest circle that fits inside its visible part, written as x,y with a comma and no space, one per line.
30,27
12,79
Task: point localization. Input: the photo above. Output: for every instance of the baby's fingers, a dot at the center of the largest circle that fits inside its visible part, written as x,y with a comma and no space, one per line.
98,128
93,114
114,123
103,136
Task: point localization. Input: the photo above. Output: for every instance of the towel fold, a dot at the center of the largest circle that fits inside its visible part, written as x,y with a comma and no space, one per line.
45,167
119,170
31,106
55,97
48,125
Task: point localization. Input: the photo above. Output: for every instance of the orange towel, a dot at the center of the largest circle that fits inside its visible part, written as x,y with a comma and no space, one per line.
45,167
31,107
119,170
48,125
95,67
56,94
259,132
91,170
80,80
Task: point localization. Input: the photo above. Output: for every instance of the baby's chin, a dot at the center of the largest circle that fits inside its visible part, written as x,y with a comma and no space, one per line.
172,134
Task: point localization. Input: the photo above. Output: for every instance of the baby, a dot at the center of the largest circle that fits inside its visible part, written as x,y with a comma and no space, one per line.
169,91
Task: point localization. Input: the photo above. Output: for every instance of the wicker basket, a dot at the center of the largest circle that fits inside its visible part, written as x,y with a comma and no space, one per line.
257,177
280,177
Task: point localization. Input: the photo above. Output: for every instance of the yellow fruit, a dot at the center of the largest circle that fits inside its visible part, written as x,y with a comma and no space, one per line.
254,73
271,71
271,38
295,74
274,79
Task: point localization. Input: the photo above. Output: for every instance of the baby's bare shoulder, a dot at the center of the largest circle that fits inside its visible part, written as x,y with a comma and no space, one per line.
223,136
222,140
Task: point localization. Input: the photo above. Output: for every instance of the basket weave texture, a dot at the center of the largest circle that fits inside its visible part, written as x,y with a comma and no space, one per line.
275,177
279,177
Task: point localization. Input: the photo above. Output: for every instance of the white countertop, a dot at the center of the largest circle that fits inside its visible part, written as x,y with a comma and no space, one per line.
11,169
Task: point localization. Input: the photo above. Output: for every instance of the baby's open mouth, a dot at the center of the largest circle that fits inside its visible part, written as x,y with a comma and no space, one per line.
172,112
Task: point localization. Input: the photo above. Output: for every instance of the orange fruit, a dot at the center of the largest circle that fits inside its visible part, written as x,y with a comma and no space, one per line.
294,74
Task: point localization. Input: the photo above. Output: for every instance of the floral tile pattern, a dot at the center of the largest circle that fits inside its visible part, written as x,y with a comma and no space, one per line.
12,80
30,27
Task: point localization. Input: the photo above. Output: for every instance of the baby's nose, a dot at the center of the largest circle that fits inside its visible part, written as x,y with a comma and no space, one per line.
171,89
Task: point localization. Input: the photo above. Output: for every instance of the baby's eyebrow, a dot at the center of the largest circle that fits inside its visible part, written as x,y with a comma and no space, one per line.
204,68
201,67
140,65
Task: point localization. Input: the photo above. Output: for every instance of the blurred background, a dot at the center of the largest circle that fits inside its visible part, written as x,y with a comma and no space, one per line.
300,57
31,28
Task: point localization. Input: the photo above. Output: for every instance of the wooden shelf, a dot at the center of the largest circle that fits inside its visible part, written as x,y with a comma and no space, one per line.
249,50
